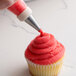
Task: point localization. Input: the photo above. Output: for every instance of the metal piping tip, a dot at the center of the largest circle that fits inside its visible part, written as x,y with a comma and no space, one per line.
32,22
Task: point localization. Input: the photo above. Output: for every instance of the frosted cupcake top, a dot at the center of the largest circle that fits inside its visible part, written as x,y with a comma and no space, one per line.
44,49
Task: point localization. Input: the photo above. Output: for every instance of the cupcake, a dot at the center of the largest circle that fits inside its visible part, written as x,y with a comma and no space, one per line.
44,56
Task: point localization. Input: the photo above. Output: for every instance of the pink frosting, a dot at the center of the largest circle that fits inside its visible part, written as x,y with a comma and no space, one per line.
44,50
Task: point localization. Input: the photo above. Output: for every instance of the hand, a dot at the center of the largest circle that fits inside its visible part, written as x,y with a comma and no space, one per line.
6,3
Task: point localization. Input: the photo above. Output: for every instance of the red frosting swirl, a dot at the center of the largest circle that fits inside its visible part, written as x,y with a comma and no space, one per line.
44,50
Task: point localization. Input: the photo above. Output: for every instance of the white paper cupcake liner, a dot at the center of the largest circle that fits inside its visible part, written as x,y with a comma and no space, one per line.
45,70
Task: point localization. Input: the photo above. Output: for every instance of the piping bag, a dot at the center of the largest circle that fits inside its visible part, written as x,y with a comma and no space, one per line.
24,13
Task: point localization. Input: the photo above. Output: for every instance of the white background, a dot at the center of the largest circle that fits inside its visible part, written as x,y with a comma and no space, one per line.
54,16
